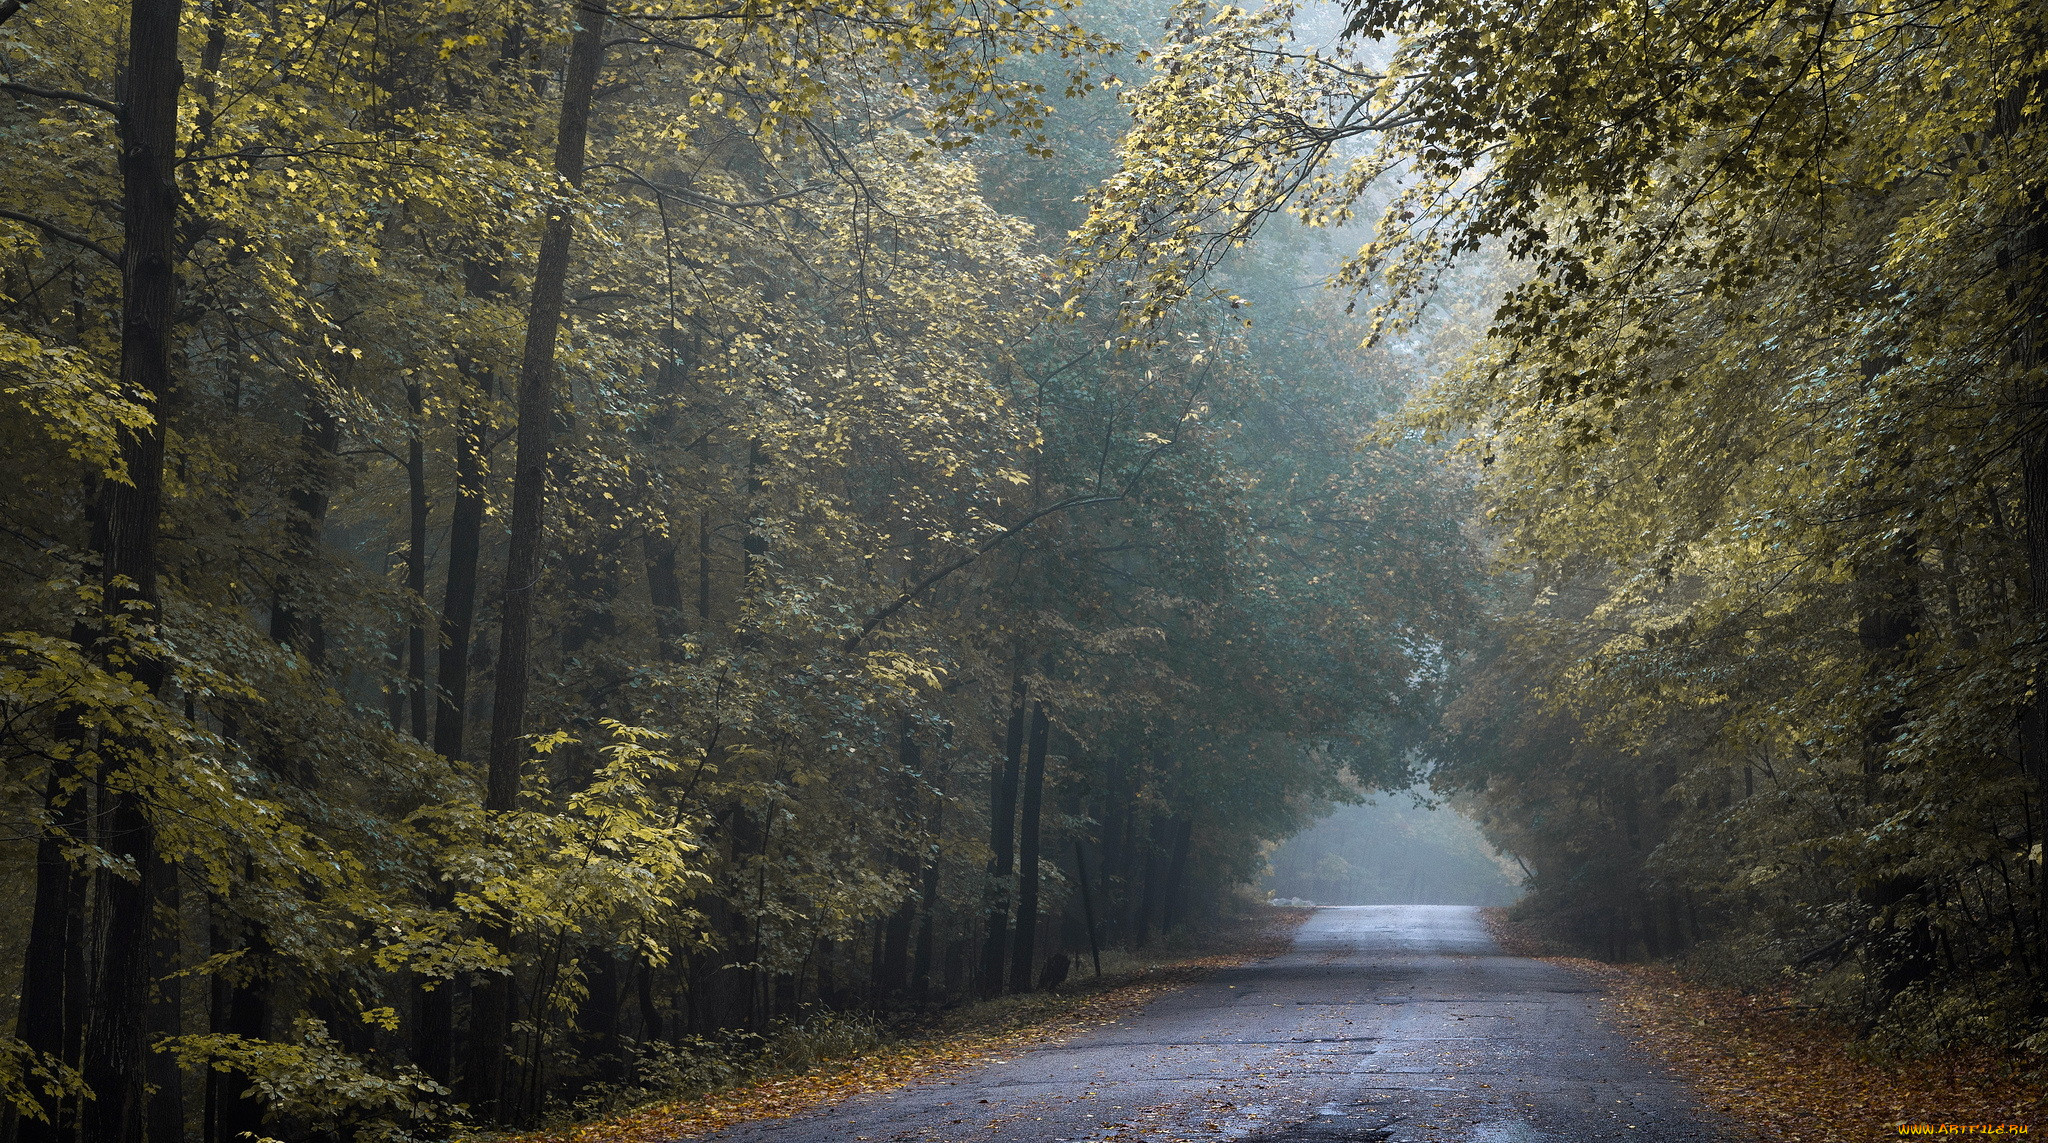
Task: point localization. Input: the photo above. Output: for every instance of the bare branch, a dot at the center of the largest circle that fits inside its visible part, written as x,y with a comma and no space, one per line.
56,231
106,105
882,616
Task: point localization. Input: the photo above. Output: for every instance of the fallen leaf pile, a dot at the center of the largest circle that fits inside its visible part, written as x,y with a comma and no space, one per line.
1789,1078
1039,1020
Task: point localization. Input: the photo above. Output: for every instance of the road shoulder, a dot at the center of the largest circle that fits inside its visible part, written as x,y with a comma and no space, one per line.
1780,1075
988,1033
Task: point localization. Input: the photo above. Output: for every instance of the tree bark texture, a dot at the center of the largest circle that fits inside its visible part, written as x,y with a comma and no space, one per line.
115,1056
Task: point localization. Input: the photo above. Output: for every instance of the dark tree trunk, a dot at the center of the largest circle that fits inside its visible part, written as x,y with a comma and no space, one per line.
893,975
1087,906
928,915
44,1022
643,992
1024,948
416,560
433,1034
289,627
241,1007
536,412
165,1112
2022,267
665,592
703,567
492,1000
465,548
1141,927
115,1056
1176,873
1002,840
599,1013
1113,853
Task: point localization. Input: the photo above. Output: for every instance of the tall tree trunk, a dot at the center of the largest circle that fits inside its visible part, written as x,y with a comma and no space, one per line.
1087,906
465,549
115,1056
703,567
165,1113
1176,873
492,1000
893,975
1113,857
928,914
1002,842
665,593
433,1033
2027,290
44,1021
1141,927
416,558
1024,947
241,1007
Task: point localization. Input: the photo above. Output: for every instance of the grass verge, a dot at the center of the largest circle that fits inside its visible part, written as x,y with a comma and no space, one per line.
984,1033
1790,1078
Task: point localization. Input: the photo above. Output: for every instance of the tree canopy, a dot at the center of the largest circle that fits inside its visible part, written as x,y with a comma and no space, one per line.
542,538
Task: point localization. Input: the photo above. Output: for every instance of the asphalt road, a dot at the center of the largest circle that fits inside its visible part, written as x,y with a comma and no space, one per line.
1382,1024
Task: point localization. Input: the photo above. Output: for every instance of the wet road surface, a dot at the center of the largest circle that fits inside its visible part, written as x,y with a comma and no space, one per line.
1384,1024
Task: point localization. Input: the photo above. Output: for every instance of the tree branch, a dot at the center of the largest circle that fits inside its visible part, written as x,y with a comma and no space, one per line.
56,231
106,105
916,589
1144,465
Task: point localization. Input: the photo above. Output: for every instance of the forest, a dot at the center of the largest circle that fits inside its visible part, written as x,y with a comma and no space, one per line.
541,539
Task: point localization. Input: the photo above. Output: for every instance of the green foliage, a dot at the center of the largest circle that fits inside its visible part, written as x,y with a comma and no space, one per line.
832,474
1753,430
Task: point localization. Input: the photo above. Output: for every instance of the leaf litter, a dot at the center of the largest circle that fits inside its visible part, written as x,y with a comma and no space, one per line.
1784,1075
981,1034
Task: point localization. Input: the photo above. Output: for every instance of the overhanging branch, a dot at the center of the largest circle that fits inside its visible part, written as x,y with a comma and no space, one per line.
996,541
56,231
106,105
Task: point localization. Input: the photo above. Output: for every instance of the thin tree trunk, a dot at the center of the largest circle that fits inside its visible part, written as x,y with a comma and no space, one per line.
1176,872
1147,897
433,1033
458,600
1113,858
1087,906
416,559
894,975
1024,947
927,922
1002,840
536,412
165,1113
491,1015
703,567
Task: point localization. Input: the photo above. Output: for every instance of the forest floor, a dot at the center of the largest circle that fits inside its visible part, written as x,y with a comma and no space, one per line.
1792,1078
974,1034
